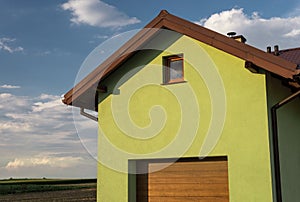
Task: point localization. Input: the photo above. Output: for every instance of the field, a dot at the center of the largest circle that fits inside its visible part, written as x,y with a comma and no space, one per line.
48,190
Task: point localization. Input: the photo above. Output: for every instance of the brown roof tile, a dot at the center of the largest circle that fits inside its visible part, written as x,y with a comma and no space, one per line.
292,55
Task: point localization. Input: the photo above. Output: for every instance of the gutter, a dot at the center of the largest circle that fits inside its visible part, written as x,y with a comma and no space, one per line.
83,113
276,143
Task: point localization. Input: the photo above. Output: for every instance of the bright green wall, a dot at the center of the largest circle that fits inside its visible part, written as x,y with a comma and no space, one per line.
140,118
288,137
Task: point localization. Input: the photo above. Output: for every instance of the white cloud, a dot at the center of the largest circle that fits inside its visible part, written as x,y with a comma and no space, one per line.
5,96
5,44
14,126
12,103
58,162
97,13
33,127
15,164
41,115
41,106
9,86
259,31
47,96
293,33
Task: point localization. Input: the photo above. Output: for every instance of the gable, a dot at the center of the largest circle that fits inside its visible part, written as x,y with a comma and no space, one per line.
83,94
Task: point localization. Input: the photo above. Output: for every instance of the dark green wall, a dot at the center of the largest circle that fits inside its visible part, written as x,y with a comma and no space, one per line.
289,138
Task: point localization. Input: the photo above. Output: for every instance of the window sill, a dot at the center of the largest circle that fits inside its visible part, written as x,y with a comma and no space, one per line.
174,82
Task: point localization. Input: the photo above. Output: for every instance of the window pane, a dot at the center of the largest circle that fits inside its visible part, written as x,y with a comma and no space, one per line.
176,69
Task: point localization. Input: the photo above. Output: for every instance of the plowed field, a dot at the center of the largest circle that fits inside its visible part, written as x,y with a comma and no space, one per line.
86,195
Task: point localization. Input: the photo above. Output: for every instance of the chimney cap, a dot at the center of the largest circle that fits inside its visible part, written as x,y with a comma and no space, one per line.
231,34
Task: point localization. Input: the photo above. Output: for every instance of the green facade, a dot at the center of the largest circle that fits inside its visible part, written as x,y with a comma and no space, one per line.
221,110
288,136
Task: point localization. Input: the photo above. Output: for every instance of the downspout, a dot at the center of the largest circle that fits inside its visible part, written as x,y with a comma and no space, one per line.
83,113
276,143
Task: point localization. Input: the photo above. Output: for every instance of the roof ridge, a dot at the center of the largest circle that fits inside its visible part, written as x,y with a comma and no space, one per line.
289,49
163,13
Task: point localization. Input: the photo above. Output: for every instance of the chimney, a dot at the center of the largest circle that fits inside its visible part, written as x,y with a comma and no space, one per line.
269,50
276,50
239,38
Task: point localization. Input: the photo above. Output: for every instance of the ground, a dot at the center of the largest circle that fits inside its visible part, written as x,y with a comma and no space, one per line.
87,195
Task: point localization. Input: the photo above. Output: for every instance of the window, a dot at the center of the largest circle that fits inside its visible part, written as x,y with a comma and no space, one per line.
173,69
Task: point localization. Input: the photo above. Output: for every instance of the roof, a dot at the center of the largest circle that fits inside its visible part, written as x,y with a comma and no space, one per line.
292,55
83,94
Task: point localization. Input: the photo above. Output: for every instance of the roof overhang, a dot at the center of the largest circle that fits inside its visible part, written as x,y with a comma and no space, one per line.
85,92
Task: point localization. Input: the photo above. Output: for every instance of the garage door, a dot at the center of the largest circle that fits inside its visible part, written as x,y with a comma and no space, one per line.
186,180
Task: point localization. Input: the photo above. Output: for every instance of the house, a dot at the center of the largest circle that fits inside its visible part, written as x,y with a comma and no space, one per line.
188,114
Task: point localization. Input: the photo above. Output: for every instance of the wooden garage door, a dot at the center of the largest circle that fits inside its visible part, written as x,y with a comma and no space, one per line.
185,180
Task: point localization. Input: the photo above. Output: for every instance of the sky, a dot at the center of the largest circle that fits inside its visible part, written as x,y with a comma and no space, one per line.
44,43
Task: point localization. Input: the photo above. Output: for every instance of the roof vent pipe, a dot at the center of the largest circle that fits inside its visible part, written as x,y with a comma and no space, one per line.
231,34
276,50
239,38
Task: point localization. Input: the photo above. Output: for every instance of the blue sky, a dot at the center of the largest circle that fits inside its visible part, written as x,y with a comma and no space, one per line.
43,44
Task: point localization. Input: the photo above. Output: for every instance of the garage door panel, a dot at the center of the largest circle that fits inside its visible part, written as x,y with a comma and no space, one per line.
188,199
187,190
195,180
184,193
189,166
183,174
183,179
